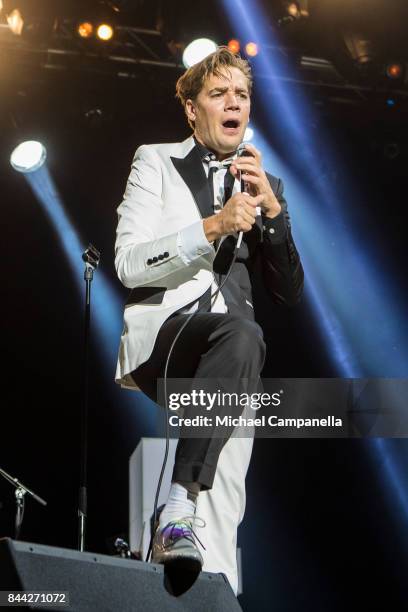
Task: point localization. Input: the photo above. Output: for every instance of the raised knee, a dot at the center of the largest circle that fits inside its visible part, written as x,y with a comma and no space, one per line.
245,338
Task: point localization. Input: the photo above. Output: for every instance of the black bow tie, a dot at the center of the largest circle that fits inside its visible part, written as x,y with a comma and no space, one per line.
213,162
210,158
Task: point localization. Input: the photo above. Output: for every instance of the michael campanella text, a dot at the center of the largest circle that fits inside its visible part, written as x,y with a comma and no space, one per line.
273,421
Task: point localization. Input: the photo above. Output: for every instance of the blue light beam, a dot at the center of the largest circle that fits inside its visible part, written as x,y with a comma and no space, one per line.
106,306
372,317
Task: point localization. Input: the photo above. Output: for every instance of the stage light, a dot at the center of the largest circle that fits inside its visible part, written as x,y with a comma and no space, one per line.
28,157
293,9
298,9
85,29
360,48
197,50
234,46
251,49
16,22
104,31
390,102
394,71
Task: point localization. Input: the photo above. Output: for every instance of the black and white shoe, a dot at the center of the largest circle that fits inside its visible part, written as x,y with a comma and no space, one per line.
175,544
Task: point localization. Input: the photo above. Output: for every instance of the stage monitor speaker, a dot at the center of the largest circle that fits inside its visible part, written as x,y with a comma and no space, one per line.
99,583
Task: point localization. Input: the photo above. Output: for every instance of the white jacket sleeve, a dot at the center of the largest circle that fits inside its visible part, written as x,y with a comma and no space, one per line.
141,257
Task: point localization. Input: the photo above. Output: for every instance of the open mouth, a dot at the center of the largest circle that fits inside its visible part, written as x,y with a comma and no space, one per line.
231,126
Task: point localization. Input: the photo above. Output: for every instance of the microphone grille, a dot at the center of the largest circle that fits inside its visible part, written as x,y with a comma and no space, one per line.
241,149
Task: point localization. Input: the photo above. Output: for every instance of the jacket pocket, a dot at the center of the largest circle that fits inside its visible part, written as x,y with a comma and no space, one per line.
146,295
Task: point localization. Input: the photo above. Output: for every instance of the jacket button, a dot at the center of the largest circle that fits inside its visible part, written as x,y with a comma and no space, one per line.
161,256
165,254
149,262
155,260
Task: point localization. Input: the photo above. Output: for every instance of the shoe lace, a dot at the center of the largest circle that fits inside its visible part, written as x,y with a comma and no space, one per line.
183,528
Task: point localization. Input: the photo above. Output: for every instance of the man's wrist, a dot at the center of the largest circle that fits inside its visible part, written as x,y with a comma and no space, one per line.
273,210
212,228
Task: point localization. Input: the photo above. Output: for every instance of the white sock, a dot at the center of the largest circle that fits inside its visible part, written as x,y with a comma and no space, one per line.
178,505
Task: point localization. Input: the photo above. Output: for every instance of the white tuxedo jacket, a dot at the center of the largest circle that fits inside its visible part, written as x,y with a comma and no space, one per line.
167,190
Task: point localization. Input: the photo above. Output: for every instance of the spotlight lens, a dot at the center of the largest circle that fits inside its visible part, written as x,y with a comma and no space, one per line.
85,29
29,156
251,49
394,71
293,9
234,46
15,22
197,51
105,32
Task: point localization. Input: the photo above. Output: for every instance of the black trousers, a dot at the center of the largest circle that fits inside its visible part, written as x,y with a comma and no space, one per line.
214,347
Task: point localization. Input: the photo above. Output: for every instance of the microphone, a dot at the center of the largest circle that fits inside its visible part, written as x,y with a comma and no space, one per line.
229,245
243,152
241,149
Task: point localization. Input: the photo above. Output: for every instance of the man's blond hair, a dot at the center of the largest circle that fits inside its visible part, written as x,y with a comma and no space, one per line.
192,81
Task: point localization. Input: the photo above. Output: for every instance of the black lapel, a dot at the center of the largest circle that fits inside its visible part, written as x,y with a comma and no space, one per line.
193,174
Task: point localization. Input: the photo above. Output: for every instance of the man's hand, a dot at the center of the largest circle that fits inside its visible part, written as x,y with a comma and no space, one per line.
238,215
257,183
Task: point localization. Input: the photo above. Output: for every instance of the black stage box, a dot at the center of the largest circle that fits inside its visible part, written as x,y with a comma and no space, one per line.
108,584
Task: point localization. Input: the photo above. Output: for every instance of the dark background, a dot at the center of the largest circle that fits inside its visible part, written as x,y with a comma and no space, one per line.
322,530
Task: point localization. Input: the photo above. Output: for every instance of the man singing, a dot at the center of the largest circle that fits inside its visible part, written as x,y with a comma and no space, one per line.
178,223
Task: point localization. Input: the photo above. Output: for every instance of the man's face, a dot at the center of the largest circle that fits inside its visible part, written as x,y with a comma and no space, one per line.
221,111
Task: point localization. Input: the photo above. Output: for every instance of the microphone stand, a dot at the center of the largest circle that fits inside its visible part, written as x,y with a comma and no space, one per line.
91,257
20,492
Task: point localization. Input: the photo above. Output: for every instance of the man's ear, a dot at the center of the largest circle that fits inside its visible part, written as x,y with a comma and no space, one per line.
190,110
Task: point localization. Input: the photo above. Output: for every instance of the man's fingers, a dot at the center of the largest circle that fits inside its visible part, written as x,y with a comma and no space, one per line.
246,219
244,200
257,200
250,209
244,224
249,165
249,218
251,178
243,208
240,212
241,215
253,200
253,150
